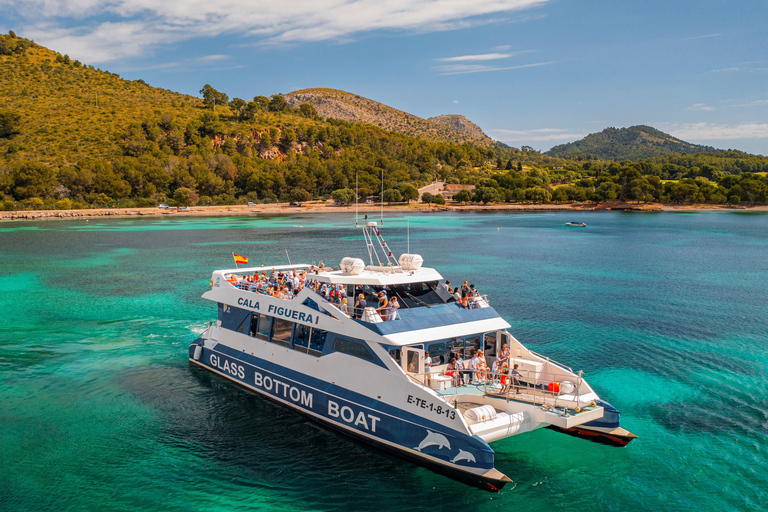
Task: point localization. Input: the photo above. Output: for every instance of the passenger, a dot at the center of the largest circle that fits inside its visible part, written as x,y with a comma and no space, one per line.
383,305
360,305
482,367
457,294
452,371
504,354
463,367
464,302
516,378
504,378
394,305
473,362
428,368
343,306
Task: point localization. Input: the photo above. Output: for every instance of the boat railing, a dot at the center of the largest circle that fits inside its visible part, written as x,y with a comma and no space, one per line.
539,388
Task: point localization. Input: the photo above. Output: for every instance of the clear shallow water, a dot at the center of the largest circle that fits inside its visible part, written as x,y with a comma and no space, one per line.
666,313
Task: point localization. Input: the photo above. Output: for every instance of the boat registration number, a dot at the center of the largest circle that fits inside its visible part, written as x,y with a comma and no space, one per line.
442,410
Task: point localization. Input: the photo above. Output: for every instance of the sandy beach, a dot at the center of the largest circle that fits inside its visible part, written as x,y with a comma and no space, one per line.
318,207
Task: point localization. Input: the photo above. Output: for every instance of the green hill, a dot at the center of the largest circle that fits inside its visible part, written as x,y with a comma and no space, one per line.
74,135
633,143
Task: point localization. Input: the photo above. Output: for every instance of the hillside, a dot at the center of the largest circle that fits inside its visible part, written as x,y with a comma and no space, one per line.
633,143
460,124
74,136
351,107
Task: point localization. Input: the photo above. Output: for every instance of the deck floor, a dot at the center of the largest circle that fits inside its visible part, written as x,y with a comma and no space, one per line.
493,390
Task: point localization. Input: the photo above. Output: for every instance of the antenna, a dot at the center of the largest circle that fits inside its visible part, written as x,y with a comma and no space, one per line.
382,196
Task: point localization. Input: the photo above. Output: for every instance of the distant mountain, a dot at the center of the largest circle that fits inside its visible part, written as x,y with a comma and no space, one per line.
460,124
633,143
351,107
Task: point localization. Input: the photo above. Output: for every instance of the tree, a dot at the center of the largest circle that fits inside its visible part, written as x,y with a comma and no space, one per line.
9,124
287,138
463,196
211,96
299,195
185,196
308,111
519,166
487,195
392,195
427,198
278,104
343,195
439,199
409,192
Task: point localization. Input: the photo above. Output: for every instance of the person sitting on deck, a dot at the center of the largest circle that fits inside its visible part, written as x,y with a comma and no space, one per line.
482,367
452,371
473,362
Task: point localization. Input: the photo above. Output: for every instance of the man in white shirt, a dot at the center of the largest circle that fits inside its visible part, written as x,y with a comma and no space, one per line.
473,366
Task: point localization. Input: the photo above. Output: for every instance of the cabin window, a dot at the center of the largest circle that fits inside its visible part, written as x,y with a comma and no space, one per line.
308,339
260,326
241,327
301,337
281,331
490,344
352,348
437,352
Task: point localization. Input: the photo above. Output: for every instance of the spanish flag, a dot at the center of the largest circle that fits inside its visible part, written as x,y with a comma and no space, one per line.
240,259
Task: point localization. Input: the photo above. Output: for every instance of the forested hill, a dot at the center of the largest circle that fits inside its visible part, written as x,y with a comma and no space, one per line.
633,143
74,135
351,107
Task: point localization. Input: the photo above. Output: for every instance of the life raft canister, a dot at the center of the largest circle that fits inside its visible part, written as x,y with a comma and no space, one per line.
554,387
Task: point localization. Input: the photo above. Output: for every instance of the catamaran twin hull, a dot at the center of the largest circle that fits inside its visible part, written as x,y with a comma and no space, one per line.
428,442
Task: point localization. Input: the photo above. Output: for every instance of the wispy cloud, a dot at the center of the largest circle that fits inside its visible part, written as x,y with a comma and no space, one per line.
700,106
104,30
712,131
747,67
536,135
462,69
701,37
756,103
484,56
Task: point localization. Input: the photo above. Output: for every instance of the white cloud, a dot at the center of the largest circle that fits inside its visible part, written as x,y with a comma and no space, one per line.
702,37
484,56
756,103
536,135
711,131
700,106
461,69
104,30
455,101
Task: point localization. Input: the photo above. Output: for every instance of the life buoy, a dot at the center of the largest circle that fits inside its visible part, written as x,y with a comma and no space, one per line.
554,387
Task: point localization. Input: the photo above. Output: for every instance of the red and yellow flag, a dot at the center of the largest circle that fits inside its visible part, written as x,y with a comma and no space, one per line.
242,260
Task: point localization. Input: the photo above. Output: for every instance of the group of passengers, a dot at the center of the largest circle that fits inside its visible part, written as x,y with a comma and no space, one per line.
283,285
466,295
475,370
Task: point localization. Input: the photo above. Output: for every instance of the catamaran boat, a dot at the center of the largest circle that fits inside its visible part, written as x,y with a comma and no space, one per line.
366,374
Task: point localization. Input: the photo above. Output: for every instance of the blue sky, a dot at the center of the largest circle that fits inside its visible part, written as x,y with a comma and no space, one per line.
528,72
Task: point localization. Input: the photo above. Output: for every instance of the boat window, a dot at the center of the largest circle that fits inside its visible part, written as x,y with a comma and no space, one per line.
241,327
260,326
437,352
490,344
395,353
281,331
317,340
301,337
413,361
353,348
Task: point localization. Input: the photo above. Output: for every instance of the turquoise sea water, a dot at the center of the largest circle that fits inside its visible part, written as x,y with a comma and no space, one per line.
99,410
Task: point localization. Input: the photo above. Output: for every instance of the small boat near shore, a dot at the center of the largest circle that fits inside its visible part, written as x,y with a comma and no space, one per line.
576,224
383,375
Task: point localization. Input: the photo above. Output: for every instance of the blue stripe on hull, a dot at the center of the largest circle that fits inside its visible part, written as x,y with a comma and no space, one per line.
370,419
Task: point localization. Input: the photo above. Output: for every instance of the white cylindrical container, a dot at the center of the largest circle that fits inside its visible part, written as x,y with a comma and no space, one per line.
411,261
198,352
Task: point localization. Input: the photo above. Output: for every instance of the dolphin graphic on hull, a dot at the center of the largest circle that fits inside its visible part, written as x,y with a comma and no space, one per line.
434,439
463,456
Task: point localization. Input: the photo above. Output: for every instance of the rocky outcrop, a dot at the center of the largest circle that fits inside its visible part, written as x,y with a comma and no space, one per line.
351,107
460,124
